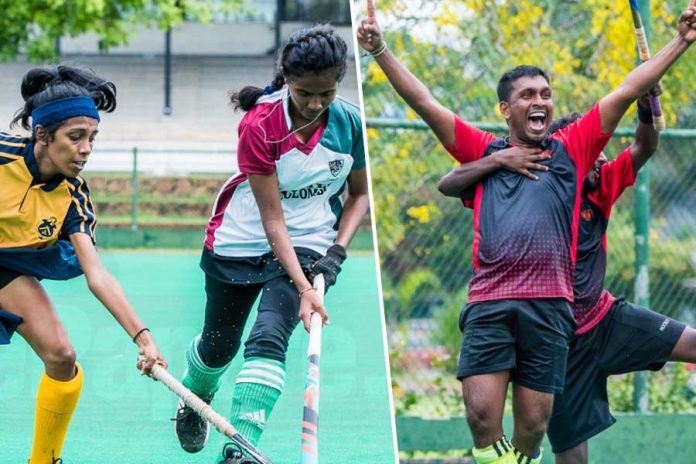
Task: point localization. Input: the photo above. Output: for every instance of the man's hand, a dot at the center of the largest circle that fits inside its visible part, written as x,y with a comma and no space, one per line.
369,34
687,24
522,160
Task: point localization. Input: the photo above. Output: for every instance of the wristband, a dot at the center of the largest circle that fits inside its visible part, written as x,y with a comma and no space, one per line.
644,114
379,51
137,334
307,290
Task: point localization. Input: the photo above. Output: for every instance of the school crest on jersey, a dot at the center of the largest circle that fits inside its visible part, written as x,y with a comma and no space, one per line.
335,167
47,227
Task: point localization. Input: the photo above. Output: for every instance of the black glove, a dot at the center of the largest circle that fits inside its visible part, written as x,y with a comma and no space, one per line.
329,264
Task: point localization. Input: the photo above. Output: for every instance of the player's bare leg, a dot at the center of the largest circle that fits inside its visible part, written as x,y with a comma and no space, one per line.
575,455
484,399
685,349
41,327
531,410
60,386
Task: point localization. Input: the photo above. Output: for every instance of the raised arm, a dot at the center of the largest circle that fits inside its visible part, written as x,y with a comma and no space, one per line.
647,138
639,81
107,290
461,179
414,93
267,196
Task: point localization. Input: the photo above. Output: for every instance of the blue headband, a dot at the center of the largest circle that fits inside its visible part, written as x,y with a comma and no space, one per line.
65,108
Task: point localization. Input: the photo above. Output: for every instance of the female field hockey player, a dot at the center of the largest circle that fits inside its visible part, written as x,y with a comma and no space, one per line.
47,232
277,223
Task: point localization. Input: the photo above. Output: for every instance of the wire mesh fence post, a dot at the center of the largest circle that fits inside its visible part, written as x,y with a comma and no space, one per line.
642,225
134,191
642,280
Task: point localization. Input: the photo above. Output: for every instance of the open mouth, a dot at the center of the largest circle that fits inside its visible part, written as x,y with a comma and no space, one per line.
80,165
537,121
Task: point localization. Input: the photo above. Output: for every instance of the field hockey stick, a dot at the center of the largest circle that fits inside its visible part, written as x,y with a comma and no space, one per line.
644,53
310,416
204,410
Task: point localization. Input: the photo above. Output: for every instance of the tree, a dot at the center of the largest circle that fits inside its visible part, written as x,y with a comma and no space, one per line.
34,26
459,49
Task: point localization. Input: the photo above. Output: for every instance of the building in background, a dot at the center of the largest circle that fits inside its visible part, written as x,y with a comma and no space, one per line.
255,30
179,116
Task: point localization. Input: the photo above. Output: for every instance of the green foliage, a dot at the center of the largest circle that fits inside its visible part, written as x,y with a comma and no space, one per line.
418,291
34,26
448,333
459,49
669,391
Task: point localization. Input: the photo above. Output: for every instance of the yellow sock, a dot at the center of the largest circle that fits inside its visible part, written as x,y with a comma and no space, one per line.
499,452
55,403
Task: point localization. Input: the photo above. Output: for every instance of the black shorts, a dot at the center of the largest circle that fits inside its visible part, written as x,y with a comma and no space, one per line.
8,321
232,286
630,338
528,337
252,270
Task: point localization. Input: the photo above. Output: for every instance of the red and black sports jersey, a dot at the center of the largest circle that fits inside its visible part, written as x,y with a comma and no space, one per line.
592,300
525,231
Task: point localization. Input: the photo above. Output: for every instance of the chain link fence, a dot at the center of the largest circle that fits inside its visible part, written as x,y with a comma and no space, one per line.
425,251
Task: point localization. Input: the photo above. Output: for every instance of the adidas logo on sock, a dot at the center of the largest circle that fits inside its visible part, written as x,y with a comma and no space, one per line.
258,418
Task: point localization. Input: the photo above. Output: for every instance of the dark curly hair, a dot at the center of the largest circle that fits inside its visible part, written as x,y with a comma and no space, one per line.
43,85
563,121
308,51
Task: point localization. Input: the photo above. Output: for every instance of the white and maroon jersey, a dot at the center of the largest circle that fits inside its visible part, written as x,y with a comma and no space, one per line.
311,178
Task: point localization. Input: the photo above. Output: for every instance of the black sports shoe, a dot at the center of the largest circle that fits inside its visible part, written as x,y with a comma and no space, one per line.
191,429
232,455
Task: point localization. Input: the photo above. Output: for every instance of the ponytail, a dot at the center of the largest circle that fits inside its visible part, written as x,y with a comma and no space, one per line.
246,98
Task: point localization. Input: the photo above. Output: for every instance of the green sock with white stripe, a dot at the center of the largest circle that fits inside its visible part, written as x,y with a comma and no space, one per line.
202,380
258,387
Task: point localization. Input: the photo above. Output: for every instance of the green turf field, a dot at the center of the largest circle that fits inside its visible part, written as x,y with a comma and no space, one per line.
123,418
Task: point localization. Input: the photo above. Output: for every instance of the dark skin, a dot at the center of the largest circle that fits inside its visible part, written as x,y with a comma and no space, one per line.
526,97
533,407
461,181
310,97
66,152
528,111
